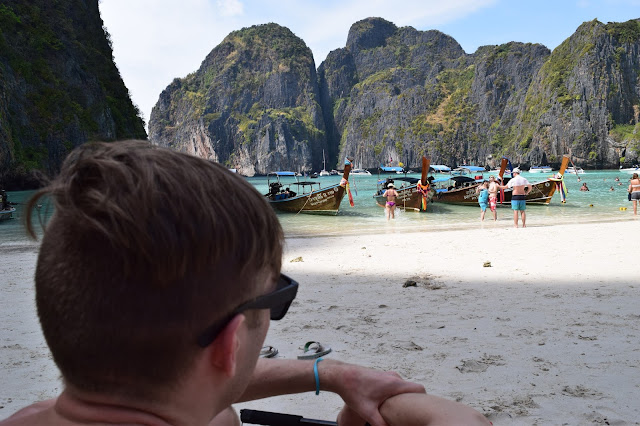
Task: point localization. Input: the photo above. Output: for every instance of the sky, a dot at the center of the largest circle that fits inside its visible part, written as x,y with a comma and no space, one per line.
155,41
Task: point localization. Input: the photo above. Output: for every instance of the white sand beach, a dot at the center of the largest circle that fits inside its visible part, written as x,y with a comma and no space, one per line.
548,334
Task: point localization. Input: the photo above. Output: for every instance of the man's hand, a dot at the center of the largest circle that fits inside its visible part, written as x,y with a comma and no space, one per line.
348,417
364,390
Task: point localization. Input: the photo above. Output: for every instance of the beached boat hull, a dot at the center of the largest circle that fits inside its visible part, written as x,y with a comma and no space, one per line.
541,193
321,201
408,198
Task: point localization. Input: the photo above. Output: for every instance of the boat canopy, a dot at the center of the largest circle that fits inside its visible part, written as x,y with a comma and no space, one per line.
472,168
410,180
390,169
440,168
445,179
282,173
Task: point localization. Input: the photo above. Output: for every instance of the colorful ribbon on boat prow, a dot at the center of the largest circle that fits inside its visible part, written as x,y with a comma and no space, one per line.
424,190
560,187
345,184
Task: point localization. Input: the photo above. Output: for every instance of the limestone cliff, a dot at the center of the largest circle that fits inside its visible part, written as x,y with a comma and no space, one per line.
585,100
59,87
252,105
394,94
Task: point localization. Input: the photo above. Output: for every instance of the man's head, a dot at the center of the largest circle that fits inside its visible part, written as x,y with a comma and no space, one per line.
515,171
492,178
146,249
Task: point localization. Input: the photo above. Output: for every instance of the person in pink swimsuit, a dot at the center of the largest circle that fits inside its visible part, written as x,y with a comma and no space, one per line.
390,206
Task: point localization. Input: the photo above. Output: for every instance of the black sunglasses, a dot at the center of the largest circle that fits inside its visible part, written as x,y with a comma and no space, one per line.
278,301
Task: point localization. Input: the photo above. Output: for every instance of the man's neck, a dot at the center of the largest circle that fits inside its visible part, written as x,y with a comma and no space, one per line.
76,408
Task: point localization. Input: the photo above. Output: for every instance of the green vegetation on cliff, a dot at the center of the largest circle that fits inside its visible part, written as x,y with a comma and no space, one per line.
624,32
454,108
60,84
398,92
257,88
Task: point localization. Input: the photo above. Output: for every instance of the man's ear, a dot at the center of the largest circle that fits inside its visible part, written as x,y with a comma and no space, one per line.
224,350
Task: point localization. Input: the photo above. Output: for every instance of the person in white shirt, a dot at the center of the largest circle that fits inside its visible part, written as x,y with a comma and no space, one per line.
520,189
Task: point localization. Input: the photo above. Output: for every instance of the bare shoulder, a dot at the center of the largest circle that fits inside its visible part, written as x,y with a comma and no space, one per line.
34,414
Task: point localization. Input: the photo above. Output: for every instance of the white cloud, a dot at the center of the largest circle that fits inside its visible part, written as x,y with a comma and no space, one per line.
230,7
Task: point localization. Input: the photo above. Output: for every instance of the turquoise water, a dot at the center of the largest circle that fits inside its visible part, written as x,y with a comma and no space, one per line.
599,204
367,217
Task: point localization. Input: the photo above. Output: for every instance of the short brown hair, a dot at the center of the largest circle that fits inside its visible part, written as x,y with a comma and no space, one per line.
146,248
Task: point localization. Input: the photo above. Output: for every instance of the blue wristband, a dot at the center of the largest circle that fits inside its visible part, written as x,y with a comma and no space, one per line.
315,373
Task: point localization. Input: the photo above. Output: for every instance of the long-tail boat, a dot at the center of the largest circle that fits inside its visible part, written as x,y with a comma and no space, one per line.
461,189
307,199
541,192
464,189
413,197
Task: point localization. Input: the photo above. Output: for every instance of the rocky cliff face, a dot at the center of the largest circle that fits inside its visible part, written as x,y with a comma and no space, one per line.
585,99
252,105
59,87
409,93
394,94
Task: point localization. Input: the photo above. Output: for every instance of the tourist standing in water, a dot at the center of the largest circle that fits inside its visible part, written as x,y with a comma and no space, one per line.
390,206
521,188
483,197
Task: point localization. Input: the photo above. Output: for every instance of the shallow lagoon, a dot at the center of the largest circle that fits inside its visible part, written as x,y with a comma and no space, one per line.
599,204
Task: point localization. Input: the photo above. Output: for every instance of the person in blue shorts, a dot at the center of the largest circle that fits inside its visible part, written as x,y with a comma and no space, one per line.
520,189
483,197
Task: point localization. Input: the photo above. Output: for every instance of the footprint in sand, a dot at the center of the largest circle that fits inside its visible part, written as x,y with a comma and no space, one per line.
480,365
472,366
580,391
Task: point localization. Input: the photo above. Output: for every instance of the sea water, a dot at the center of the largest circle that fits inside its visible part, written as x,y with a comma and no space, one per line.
366,217
598,204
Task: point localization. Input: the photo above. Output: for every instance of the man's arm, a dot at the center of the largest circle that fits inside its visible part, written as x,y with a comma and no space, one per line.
362,389
412,409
